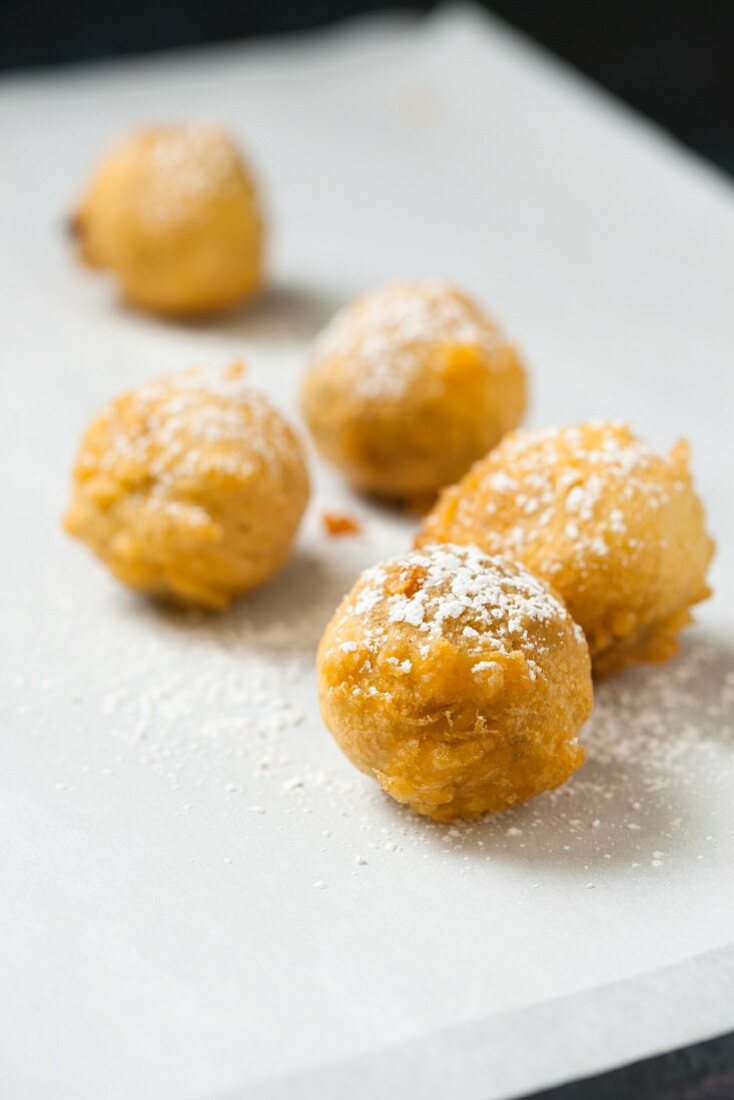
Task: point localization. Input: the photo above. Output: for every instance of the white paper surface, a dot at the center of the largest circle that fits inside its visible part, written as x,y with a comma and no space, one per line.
199,895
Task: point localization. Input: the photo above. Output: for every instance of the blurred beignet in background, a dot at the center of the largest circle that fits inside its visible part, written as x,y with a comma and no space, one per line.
408,386
173,214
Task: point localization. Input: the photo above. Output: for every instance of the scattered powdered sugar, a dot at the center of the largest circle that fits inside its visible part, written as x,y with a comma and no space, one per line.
384,336
220,715
217,722
654,769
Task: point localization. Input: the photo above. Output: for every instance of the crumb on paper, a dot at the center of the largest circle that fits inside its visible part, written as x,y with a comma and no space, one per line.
337,524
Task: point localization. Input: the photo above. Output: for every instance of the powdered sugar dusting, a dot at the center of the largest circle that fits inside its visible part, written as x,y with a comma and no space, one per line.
462,591
185,164
561,478
384,336
188,425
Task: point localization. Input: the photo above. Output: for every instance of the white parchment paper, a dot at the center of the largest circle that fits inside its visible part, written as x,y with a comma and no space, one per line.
199,896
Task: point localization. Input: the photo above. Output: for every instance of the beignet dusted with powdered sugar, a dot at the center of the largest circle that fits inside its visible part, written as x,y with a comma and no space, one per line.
408,386
173,214
616,528
191,487
459,681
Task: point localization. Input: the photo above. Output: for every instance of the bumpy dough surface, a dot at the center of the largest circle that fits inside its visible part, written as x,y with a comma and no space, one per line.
456,679
408,386
616,528
190,488
172,212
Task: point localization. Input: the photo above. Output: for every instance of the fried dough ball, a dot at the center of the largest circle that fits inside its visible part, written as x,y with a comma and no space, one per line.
408,386
172,212
191,488
616,528
458,680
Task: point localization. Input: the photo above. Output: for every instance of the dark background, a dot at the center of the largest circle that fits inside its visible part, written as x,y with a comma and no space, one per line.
673,60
